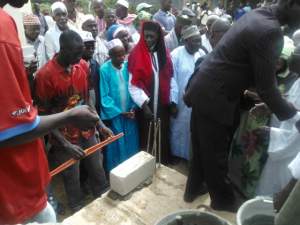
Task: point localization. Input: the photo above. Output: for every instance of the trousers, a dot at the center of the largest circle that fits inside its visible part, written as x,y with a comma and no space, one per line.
93,164
209,159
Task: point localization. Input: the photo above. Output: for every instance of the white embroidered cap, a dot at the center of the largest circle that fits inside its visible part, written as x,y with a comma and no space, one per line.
86,36
114,43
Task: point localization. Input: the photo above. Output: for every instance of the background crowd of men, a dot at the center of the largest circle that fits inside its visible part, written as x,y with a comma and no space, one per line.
211,80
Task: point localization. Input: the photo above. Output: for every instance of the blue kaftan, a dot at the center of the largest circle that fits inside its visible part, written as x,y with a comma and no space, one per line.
115,100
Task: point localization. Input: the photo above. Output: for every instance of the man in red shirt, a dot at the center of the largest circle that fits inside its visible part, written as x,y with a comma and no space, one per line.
24,168
61,84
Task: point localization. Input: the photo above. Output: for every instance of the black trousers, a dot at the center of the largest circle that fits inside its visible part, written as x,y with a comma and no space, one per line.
209,161
93,164
165,133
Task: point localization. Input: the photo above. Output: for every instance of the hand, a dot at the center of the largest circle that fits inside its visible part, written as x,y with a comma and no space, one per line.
106,132
75,151
252,95
129,115
147,111
31,67
173,109
83,117
259,110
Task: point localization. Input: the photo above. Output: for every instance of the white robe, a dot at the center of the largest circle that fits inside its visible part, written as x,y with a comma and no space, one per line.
205,43
183,66
283,148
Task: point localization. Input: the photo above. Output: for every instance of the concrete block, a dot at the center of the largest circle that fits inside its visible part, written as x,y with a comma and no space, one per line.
131,173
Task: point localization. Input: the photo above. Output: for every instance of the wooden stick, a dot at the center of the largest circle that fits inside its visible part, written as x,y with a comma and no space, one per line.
87,152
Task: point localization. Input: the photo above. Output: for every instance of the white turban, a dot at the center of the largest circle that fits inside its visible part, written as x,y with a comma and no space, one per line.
114,43
58,5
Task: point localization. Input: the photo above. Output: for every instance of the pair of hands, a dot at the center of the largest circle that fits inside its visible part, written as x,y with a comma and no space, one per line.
84,117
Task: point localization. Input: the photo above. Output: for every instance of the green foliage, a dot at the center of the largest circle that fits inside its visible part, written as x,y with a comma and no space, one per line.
83,5
45,7
110,4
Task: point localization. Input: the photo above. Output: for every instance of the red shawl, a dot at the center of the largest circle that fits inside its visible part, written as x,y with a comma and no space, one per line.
140,66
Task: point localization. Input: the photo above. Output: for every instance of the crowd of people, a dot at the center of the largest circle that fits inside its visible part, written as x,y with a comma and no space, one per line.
219,86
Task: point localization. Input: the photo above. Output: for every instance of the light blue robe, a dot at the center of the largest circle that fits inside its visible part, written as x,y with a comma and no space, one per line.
115,100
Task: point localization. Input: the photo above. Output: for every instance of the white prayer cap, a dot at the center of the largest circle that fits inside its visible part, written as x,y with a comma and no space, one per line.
114,43
142,6
86,18
123,3
86,36
58,5
120,28
190,31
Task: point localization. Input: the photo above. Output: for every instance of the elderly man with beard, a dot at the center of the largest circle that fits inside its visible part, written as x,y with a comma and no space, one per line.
60,16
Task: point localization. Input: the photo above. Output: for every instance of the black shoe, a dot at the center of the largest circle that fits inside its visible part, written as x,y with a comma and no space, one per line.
190,197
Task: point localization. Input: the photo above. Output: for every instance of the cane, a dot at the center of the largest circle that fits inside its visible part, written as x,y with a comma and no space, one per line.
87,152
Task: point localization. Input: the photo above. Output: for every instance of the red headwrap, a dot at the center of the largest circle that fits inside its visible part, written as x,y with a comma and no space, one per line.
140,66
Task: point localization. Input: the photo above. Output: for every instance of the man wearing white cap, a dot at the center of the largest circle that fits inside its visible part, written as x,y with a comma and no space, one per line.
183,59
88,54
75,16
101,53
164,17
117,106
32,28
143,7
126,19
60,16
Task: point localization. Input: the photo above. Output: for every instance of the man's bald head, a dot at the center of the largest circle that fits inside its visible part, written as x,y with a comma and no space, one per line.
218,29
71,47
220,25
296,38
210,20
69,38
288,13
